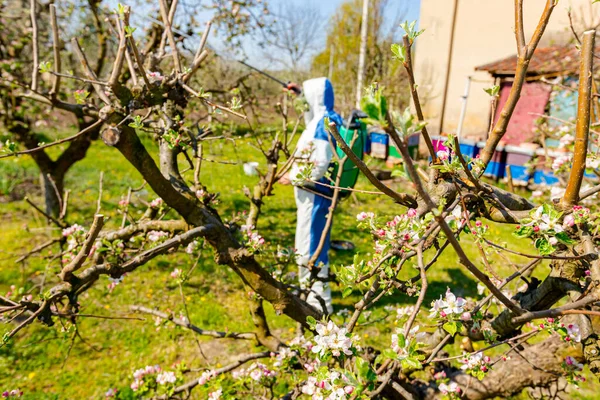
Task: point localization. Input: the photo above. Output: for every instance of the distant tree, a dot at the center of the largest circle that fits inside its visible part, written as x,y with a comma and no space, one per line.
343,39
293,34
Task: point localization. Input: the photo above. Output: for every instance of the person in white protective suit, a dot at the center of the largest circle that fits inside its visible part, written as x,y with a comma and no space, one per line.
313,200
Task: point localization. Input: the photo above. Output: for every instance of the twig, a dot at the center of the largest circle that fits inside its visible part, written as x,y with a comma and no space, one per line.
45,146
67,272
525,55
113,81
163,39
58,223
464,259
100,184
29,320
34,43
210,103
424,285
203,39
172,43
126,209
582,129
590,256
56,52
242,360
553,312
136,54
401,198
88,71
195,66
519,29
415,95
194,328
36,249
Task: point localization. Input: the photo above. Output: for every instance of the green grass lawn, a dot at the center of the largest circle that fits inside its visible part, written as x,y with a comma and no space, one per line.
52,363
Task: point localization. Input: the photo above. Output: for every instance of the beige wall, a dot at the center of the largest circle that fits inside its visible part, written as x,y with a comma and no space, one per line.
484,33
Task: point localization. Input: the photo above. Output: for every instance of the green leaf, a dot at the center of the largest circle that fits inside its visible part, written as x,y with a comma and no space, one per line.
390,354
452,327
411,363
544,247
347,292
564,238
399,52
311,322
492,91
523,232
45,66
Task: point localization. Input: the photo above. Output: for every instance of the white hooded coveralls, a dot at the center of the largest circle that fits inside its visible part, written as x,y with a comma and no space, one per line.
313,208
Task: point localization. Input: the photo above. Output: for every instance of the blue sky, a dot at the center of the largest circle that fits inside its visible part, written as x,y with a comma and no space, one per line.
409,9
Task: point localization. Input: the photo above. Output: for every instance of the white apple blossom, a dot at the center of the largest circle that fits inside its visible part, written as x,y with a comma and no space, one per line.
166,377
452,387
332,339
216,395
573,332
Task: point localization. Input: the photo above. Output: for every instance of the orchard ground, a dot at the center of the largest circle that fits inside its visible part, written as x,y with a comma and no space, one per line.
109,350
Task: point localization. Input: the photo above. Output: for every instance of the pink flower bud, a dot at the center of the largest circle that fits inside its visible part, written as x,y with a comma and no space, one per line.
348,389
466,316
569,220
411,213
478,224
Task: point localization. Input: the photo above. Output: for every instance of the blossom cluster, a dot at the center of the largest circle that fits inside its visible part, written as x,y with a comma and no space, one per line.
476,365
405,347
254,242
572,370
545,228
569,332
216,395
561,163
396,232
448,306
193,246
75,235
11,394
450,310
156,203
304,166
257,371
332,386
156,236
331,339
153,377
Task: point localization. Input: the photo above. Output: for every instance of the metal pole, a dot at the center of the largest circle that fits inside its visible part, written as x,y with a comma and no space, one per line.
449,66
463,109
363,51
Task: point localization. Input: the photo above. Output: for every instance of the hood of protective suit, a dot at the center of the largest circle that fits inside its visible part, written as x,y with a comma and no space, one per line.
319,96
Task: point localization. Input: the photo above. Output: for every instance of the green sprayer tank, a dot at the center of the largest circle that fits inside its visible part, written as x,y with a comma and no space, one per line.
354,133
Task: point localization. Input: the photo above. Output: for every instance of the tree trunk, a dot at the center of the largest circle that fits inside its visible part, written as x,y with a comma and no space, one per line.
52,190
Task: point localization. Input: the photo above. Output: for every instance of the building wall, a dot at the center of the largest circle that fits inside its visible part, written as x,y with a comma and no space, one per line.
484,33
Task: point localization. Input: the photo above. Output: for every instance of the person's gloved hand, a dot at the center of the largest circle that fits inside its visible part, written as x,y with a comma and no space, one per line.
294,87
285,179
